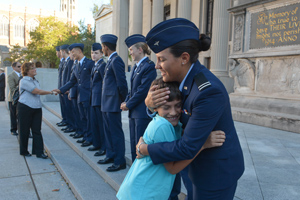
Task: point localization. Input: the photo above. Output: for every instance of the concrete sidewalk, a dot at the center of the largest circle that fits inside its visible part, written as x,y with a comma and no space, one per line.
272,161
26,177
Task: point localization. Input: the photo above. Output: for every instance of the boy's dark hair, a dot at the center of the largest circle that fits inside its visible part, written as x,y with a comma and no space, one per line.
111,46
175,93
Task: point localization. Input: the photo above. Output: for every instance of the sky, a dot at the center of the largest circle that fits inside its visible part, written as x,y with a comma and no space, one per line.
83,13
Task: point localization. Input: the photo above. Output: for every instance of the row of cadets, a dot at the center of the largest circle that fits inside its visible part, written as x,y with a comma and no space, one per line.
82,76
67,104
96,94
114,92
63,122
142,75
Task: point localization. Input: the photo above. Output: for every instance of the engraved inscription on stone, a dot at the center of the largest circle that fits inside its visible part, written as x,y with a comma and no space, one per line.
275,27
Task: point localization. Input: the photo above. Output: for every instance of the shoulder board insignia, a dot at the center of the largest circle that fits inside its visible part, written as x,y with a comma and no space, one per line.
150,62
201,81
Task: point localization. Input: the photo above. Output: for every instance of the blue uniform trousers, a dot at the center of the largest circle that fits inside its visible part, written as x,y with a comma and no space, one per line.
176,188
137,128
114,137
62,108
187,183
226,194
68,112
84,111
97,128
75,111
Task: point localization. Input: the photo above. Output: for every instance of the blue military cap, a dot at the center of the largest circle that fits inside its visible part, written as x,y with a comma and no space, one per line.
57,48
79,45
96,46
65,46
109,38
133,39
170,32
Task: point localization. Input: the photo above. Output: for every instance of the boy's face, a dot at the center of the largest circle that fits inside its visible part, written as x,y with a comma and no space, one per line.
170,111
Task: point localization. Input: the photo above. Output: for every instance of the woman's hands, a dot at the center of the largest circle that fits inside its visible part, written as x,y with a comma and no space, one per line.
156,97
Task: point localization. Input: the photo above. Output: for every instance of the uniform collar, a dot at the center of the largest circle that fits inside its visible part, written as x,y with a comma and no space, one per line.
62,59
81,61
111,55
138,64
183,81
99,61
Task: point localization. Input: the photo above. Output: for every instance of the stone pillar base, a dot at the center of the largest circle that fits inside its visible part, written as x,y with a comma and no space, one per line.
273,112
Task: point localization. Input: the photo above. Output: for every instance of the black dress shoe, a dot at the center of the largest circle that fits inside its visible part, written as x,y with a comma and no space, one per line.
72,134
100,153
26,155
14,133
65,128
77,136
86,144
106,161
93,148
80,141
69,130
62,124
115,168
42,156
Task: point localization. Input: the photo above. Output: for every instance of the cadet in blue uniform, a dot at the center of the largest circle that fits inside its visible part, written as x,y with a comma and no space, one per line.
96,93
142,75
114,92
82,76
206,107
64,120
73,97
67,104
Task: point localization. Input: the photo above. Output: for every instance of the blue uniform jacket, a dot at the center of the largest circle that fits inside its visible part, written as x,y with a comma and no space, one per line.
67,71
206,107
60,70
82,76
73,90
114,88
96,83
140,84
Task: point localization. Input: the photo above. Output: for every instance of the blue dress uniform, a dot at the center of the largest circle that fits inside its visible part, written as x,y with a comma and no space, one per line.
75,110
114,92
142,75
65,78
96,93
206,107
82,76
61,100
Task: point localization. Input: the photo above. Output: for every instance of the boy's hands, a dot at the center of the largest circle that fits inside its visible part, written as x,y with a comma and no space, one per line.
215,139
156,97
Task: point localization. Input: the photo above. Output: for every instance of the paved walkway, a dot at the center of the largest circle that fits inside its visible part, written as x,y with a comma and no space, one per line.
272,160
26,178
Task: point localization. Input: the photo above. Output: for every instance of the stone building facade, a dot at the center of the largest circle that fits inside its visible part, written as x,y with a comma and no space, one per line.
17,22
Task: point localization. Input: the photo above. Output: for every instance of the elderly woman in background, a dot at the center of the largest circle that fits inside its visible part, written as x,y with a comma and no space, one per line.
30,112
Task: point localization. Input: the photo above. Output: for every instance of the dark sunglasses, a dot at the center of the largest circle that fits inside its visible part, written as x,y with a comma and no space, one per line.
18,66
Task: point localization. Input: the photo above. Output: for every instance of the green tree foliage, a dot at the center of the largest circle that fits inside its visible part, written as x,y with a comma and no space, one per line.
51,33
16,54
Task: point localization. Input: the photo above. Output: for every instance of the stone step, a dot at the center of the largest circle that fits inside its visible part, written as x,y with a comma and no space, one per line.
270,104
83,180
51,115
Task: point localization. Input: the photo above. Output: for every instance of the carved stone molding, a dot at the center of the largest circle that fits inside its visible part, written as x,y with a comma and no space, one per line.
243,72
238,33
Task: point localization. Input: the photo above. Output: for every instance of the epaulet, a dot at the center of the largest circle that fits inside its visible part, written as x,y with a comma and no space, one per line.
150,62
201,81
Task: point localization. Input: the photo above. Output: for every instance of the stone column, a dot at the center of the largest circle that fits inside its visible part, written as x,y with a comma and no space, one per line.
184,9
157,17
120,27
147,13
135,17
173,9
219,46
195,12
